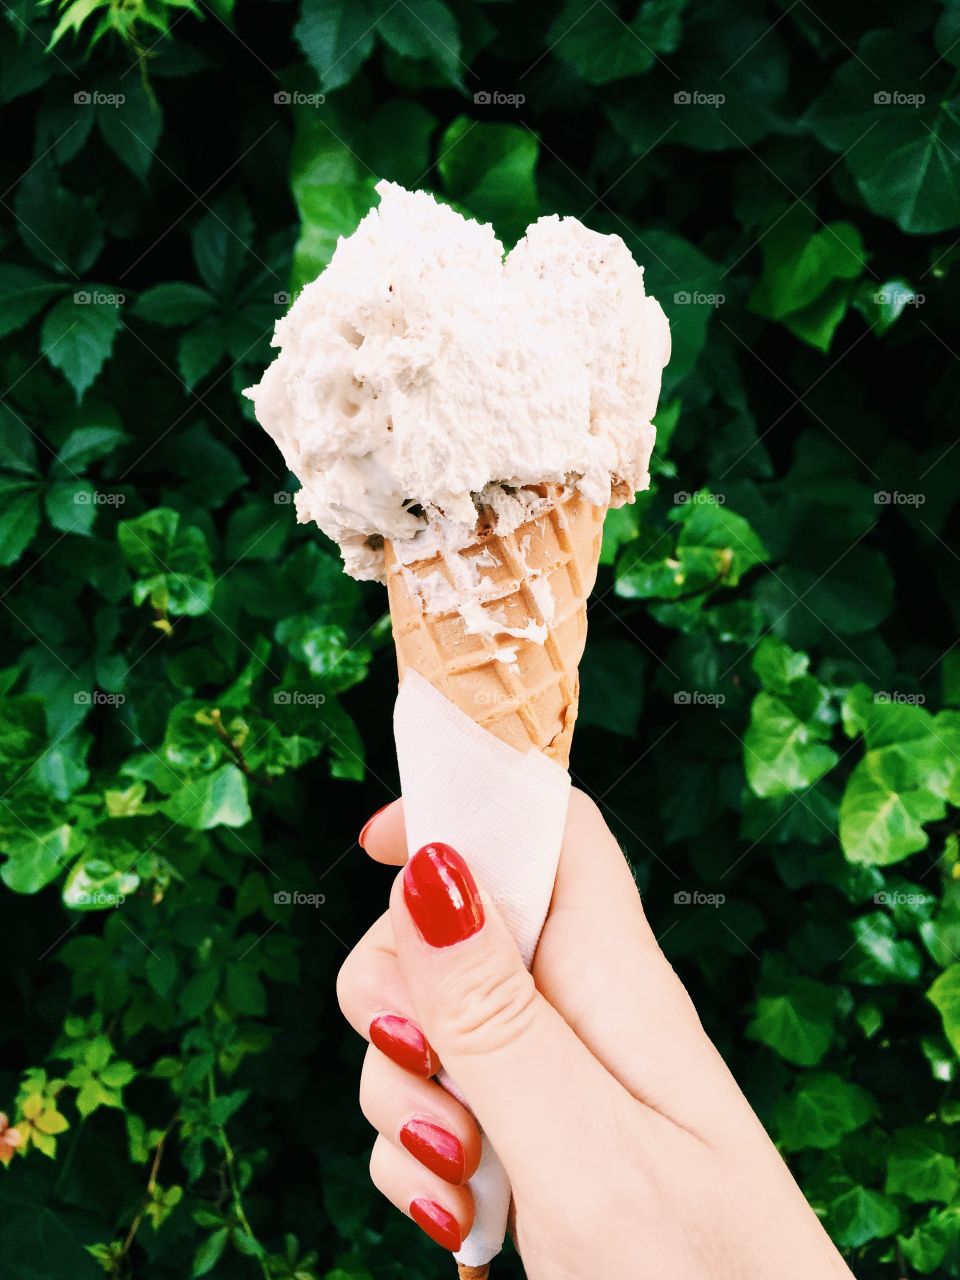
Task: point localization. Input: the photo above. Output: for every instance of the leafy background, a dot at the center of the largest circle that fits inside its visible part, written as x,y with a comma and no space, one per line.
196,709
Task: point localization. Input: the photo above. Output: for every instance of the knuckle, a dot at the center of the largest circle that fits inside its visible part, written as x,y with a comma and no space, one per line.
487,1007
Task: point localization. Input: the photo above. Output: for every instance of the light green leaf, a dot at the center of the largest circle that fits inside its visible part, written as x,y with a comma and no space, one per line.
213,800
821,1111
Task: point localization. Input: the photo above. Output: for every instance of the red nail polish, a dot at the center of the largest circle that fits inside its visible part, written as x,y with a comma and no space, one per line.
439,1225
442,896
369,823
436,1148
403,1042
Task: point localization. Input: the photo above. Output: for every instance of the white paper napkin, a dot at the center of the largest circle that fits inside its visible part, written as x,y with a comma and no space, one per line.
504,811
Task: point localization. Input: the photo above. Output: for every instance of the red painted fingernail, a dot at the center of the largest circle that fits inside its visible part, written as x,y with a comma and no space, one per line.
439,1225
368,824
403,1042
436,1148
442,896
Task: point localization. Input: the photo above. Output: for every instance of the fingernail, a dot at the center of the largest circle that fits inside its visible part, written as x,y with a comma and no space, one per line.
403,1042
439,1225
365,831
441,896
436,1148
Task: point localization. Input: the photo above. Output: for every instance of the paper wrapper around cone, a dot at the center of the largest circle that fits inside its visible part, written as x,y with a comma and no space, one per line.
457,789
530,703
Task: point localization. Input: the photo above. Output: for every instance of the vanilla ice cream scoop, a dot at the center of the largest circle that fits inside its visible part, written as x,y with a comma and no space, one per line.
423,376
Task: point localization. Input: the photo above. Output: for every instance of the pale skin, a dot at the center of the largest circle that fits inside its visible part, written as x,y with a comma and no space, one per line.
630,1148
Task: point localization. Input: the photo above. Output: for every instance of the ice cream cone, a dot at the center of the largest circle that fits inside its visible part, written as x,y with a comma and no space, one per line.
523,688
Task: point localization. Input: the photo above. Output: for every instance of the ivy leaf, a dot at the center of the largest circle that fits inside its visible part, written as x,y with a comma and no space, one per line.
215,799
920,1168
601,47
879,955
427,31
821,1111
883,809
858,1215
897,132
337,38
78,337
785,746
932,1240
35,858
797,1022
800,263
491,168
944,995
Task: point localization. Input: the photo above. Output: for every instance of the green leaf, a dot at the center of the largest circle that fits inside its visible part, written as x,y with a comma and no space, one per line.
198,992
132,128
216,799
85,445
897,131
883,810
172,564
176,303
491,168
78,337
210,1252
879,955
428,30
858,1215
944,995
821,1111
785,747
95,884
337,38
800,262
19,518
920,1168
23,292
245,991
797,1022
601,47
930,1242
35,858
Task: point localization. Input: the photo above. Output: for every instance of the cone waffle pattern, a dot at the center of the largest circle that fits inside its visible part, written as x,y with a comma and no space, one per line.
531,703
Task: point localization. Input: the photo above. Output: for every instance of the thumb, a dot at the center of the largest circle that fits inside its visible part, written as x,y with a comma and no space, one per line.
519,1065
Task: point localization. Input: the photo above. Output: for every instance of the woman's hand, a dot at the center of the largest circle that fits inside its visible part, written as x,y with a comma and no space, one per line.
629,1147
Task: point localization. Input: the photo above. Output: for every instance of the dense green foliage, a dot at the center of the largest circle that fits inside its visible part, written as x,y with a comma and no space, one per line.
196,702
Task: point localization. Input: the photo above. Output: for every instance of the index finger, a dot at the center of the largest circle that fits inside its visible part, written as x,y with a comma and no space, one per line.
384,837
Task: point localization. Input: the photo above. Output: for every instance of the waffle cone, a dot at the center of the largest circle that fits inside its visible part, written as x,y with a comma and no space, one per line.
543,573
